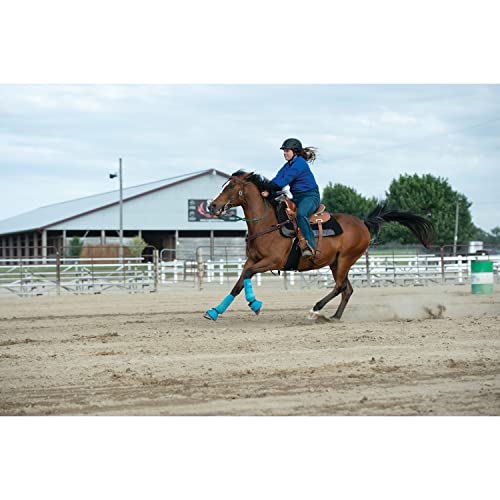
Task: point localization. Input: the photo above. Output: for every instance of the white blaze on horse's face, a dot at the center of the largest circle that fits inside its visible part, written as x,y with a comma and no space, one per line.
230,196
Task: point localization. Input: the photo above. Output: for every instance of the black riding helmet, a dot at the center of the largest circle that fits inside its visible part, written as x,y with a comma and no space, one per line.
293,144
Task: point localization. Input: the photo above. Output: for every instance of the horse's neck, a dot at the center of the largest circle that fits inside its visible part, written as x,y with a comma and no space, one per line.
256,208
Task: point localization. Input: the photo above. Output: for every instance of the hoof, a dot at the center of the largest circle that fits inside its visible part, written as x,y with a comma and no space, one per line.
316,316
211,314
313,315
255,306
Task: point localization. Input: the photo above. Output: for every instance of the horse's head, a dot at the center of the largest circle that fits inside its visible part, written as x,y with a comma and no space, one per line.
232,194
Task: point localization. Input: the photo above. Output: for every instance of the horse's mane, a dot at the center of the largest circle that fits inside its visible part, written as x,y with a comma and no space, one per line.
262,183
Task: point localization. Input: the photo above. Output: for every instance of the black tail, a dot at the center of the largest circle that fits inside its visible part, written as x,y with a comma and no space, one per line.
421,227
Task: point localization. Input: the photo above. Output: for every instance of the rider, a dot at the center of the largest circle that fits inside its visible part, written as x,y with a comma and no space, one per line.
297,173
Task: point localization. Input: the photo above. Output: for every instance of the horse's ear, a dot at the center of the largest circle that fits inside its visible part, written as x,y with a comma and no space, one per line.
247,175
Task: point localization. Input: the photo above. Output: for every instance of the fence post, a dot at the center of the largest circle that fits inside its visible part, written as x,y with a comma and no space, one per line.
176,278
156,270
58,272
460,271
209,271
368,279
201,266
442,264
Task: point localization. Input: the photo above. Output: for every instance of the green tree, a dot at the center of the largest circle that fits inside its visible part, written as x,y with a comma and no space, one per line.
76,245
338,198
495,232
431,197
492,237
137,246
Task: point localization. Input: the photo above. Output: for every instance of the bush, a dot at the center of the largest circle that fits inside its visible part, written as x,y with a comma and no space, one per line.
76,245
137,246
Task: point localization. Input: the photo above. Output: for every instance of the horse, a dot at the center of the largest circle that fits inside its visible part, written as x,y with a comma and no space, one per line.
268,250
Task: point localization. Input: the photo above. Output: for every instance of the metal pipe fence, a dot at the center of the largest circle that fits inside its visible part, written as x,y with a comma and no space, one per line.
91,274
56,272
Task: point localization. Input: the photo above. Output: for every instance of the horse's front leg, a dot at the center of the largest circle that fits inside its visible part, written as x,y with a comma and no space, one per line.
245,281
261,266
214,313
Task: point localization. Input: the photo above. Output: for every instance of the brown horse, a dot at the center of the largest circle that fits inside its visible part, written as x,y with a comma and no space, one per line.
268,250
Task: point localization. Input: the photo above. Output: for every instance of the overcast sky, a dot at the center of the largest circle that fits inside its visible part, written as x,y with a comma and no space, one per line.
59,142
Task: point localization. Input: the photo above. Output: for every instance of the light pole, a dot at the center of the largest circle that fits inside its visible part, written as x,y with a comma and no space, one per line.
120,178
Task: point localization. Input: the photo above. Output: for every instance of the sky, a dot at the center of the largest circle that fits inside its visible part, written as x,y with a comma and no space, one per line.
60,142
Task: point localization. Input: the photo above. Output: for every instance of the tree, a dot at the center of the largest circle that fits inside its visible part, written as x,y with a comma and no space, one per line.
338,198
492,237
76,245
431,197
137,246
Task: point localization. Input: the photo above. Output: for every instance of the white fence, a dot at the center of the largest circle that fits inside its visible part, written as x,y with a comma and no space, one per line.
371,270
46,276
135,275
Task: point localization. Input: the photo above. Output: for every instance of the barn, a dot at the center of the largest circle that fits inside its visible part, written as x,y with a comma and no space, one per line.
170,215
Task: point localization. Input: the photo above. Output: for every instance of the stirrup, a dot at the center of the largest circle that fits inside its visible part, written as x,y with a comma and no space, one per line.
308,252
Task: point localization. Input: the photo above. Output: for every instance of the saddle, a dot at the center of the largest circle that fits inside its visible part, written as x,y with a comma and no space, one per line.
323,223
320,216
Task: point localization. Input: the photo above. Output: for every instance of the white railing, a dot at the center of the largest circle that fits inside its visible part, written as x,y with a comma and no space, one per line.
134,275
376,270
44,276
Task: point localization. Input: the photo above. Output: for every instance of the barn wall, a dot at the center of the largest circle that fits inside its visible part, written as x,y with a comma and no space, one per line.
161,210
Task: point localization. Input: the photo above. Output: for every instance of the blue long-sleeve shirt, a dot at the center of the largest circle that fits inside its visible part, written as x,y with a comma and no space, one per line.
297,174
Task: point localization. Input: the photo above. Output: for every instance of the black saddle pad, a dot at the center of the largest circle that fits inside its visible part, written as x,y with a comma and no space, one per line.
330,228
293,257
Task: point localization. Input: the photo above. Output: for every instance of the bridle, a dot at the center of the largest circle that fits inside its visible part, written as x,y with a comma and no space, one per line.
241,195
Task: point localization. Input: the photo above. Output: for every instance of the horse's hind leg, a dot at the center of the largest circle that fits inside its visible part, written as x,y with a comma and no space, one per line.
339,271
346,295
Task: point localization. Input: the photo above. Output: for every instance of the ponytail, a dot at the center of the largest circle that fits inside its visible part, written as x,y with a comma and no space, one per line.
309,154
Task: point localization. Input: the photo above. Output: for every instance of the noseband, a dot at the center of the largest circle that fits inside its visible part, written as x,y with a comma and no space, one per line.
241,194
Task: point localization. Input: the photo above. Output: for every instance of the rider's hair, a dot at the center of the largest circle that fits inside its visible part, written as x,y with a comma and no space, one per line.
309,153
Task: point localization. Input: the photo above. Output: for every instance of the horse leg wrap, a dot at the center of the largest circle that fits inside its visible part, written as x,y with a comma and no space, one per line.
220,309
253,303
255,306
249,295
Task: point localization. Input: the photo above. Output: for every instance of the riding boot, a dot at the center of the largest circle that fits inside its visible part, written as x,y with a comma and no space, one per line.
306,249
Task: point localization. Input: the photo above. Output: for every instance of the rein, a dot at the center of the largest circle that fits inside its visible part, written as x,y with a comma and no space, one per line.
251,237
255,220
275,227
241,195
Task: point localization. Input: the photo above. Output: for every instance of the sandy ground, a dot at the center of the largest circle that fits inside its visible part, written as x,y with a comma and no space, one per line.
397,351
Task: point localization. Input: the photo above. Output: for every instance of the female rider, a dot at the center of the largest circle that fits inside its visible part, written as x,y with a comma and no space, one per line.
297,174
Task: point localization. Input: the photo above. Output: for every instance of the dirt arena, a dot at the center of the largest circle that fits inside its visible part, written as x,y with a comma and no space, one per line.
397,351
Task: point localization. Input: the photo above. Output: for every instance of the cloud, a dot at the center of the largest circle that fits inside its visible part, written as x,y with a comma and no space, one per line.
366,134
